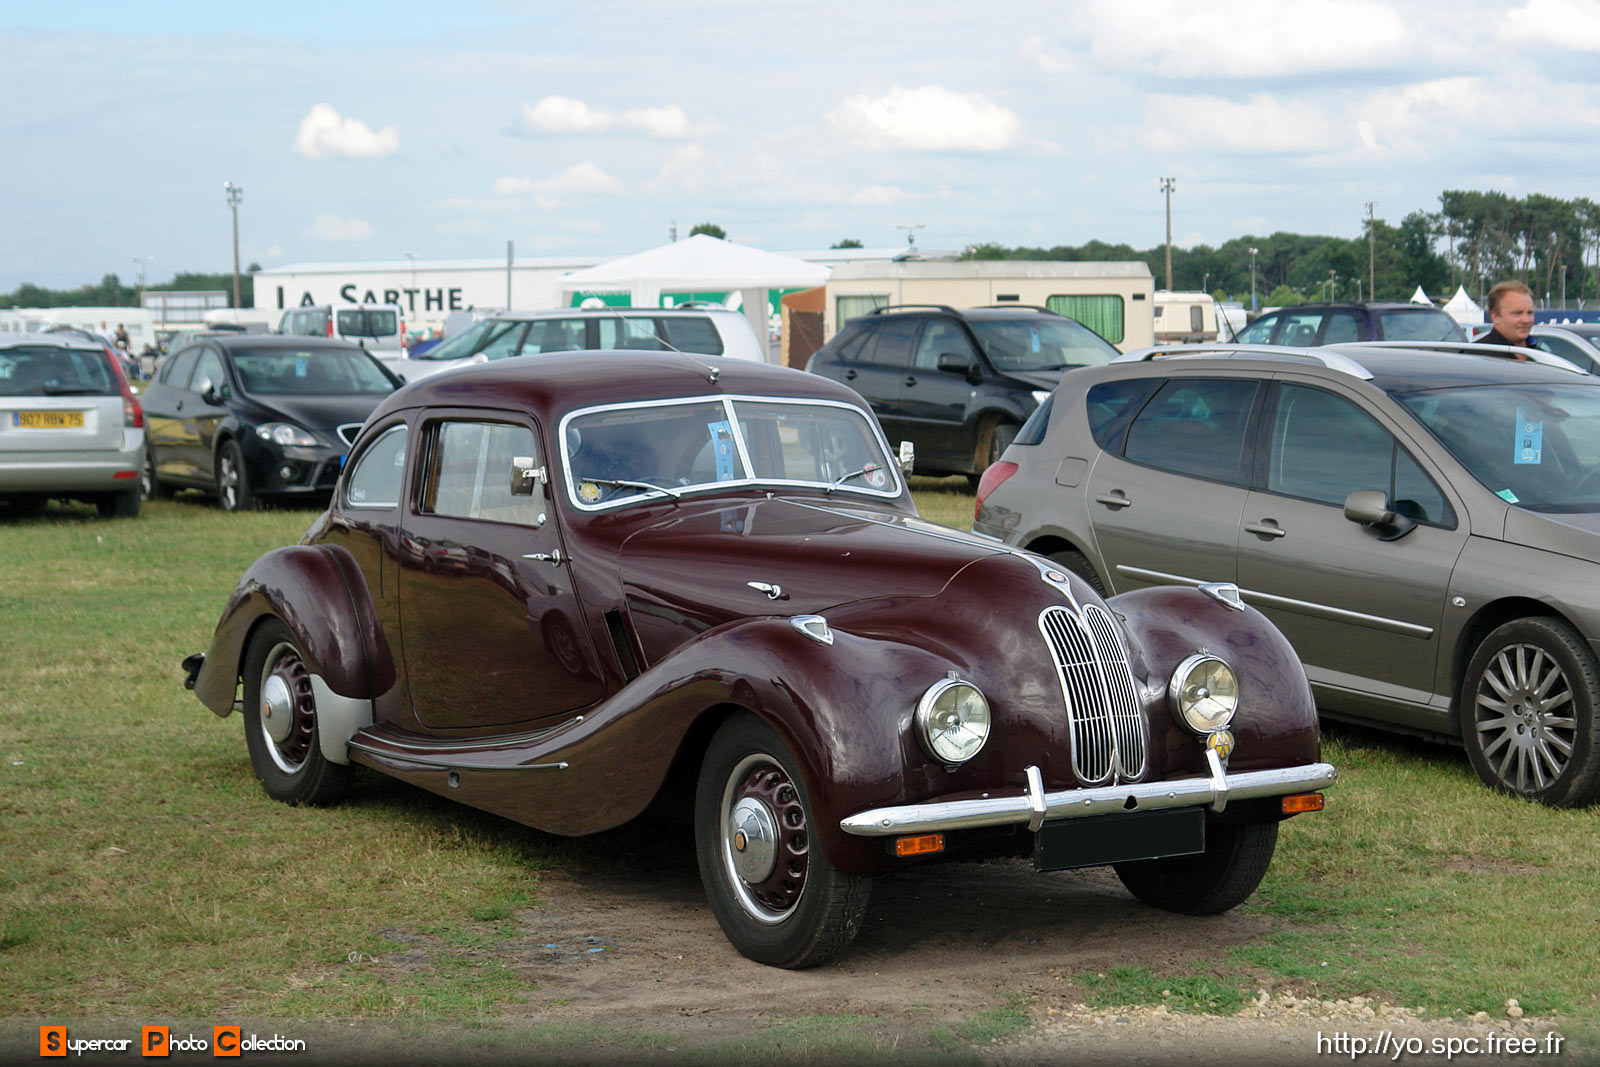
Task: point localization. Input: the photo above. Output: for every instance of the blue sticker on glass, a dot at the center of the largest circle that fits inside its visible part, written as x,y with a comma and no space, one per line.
1530,439
299,366
722,449
1507,495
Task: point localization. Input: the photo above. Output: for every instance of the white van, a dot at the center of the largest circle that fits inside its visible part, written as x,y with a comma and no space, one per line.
375,327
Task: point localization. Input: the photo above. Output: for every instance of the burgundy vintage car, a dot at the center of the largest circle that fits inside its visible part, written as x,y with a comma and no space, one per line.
561,587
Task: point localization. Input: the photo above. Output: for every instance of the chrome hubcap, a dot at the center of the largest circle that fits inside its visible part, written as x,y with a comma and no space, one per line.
1524,718
288,708
228,481
766,841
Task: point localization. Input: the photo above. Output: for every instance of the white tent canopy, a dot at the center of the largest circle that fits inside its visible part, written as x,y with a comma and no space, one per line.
699,263
1420,297
1463,309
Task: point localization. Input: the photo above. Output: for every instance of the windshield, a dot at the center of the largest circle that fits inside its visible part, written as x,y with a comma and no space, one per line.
1421,325
1535,446
50,370
631,452
493,337
1043,343
309,372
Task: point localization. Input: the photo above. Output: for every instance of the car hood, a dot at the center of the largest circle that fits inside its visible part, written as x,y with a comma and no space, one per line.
320,414
696,569
1576,535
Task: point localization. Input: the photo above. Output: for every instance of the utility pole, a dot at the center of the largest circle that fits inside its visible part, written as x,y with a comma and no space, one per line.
234,194
142,261
1167,185
1253,252
1372,237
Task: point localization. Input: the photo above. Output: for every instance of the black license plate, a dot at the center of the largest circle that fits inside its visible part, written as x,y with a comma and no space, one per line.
1119,838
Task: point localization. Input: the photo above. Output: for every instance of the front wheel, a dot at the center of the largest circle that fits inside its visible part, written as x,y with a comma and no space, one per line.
280,722
776,897
233,481
1211,882
1528,708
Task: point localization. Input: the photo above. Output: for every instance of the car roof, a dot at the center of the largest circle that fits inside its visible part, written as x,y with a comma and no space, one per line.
229,341
565,381
1400,367
1370,305
609,312
57,339
976,314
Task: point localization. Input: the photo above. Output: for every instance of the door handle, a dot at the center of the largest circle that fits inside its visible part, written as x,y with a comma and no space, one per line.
180,405
1115,500
849,375
546,557
1265,528
911,379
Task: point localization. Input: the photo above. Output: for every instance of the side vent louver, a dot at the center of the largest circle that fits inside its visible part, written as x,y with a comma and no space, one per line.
623,645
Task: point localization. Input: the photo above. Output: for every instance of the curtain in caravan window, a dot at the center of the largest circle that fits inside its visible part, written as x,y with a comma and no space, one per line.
1102,314
856,305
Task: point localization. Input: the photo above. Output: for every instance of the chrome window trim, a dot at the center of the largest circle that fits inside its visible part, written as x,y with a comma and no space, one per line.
344,481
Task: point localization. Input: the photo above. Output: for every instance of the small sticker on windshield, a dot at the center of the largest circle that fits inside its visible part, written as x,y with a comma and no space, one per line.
722,449
1530,439
299,366
1507,495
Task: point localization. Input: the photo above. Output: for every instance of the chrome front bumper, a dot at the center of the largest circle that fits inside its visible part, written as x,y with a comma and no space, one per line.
1036,806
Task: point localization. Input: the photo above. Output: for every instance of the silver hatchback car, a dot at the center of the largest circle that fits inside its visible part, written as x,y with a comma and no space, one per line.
1424,526
70,426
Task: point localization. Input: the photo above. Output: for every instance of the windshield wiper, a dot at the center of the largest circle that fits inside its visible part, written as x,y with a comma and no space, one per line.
624,483
853,474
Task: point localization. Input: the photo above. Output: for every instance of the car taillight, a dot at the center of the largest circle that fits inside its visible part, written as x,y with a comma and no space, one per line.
330,325
132,410
991,480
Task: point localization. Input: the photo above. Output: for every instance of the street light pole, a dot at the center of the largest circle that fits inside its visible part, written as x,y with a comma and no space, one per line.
1253,252
234,194
142,260
411,297
1167,185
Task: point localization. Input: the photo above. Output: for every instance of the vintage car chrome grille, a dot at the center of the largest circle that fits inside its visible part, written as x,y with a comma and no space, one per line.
349,431
1097,683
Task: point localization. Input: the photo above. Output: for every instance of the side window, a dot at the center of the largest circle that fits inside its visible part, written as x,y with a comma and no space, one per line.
209,368
504,342
470,468
1415,494
1342,326
1258,332
941,337
1567,350
1195,426
855,349
894,341
553,335
176,371
631,332
1111,406
693,333
1197,322
374,478
1299,328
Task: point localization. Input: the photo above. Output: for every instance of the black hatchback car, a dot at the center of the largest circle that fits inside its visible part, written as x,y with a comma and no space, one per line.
257,415
957,384
1331,324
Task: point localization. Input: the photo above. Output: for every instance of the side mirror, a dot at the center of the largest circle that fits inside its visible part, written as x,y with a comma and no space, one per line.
210,392
954,364
907,457
525,476
1370,508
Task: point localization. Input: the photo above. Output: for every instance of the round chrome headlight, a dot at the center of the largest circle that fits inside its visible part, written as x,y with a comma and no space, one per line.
1204,693
953,719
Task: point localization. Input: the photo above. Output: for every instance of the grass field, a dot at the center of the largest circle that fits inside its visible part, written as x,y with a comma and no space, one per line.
143,873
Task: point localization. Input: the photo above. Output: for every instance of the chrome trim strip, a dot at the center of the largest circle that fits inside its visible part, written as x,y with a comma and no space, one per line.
976,814
422,744
447,765
1219,780
1325,611
1036,806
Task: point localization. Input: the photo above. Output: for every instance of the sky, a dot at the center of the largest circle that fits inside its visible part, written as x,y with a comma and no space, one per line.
441,130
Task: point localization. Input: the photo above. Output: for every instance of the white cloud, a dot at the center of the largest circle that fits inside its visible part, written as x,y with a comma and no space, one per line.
928,119
324,133
1046,56
333,228
561,114
1263,125
1570,24
1462,110
273,252
1252,38
578,180
690,169
878,194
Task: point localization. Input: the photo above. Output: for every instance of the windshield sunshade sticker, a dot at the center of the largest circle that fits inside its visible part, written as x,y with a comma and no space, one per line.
1530,439
722,449
1507,495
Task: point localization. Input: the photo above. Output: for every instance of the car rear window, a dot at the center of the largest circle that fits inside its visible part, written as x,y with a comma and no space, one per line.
693,333
1419,325
50,370
368,322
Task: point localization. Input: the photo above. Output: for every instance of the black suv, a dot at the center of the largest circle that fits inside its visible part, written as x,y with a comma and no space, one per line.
1331,324
957,384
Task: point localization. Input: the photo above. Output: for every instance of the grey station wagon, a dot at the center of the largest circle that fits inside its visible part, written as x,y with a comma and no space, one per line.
1423,525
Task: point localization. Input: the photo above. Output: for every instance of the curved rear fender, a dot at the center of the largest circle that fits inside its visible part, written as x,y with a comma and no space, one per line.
1277,720
319,593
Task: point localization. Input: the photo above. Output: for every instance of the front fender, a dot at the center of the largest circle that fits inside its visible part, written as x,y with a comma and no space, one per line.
1276,725
318,592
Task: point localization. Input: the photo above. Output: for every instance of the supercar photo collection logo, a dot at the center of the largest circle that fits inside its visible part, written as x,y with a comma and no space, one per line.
160,1041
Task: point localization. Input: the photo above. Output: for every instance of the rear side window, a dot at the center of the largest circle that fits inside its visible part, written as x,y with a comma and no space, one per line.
375,477
894,342
46,370
693,333
554,335
1195,426
1111,407
854,348
1420,325
1032,431
1342,326
637,333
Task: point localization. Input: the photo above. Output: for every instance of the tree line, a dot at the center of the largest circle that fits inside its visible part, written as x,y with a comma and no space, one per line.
112,293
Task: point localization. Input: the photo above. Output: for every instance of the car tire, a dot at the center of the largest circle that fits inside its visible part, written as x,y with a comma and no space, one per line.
152,487
778,901
1529,702
1208,883
1077,563
123,505
233,481
280,722
993,444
